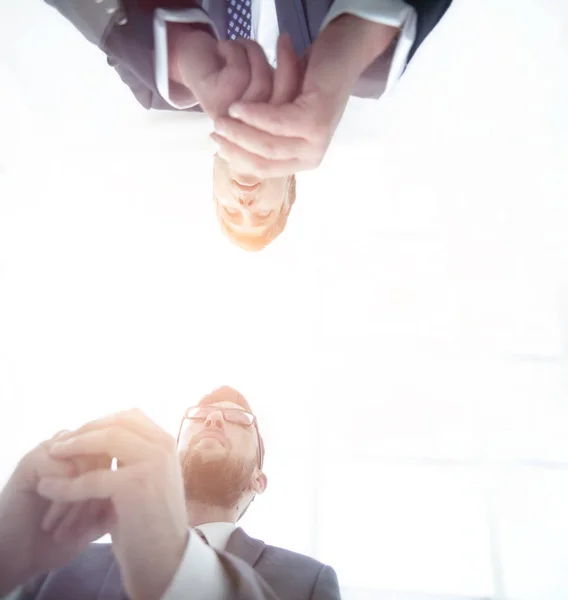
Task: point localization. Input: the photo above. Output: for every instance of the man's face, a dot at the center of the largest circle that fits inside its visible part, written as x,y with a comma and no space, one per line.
219,459
248,205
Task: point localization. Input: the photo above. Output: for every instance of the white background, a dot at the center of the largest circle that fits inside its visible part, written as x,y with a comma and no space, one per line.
404,341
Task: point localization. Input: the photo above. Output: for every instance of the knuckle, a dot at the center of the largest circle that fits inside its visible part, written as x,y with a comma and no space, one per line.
111,435
170,444
137,478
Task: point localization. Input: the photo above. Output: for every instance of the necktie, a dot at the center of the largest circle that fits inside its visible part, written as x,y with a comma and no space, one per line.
201,535
238,19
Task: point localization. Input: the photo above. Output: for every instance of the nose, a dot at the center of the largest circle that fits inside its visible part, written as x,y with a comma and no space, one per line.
248,202
215,420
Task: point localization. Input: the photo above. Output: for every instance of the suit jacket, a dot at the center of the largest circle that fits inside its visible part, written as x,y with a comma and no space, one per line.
129,42
257,572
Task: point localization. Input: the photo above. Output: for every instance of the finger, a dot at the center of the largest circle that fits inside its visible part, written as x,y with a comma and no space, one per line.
288,120
95,522
231,81
80,464
71,516
95,485
246,162
115,441
45,464
288,75
234,55
54,515
260,142
260,85
60,433
133,419
83,517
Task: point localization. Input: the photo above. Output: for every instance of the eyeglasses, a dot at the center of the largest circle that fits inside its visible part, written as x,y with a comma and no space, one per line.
237,416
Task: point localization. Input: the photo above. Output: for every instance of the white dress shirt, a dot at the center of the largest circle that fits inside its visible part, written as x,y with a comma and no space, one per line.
200,574
264,29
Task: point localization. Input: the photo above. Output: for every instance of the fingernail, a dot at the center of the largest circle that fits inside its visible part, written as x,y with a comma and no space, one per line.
235,111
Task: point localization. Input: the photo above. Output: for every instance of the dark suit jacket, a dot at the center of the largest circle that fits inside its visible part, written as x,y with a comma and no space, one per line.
257,572
130,46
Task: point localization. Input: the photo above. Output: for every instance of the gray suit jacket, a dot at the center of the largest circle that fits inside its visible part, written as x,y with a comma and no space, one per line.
126,35
256,571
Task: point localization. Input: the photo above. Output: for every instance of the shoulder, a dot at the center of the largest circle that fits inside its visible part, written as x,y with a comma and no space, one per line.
293,560
82,575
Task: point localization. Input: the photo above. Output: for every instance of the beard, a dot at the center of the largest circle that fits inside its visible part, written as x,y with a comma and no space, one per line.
219,482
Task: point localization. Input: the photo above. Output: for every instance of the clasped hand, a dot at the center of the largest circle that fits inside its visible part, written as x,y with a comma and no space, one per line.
268,122
64,495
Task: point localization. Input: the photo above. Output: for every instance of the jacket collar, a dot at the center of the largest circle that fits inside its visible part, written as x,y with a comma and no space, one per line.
244,547
240,545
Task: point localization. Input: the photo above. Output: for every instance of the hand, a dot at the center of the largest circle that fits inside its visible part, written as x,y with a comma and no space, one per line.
219,72
26,548
150,528
277,141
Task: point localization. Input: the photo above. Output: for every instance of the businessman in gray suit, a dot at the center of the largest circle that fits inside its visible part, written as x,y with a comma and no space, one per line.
171,509
239,61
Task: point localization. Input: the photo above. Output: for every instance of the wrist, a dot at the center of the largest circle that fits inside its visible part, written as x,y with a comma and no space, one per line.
15,560
345,48
183,39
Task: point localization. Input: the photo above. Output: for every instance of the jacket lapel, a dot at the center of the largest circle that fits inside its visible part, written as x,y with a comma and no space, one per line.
292,20
112,588
240,545
245,547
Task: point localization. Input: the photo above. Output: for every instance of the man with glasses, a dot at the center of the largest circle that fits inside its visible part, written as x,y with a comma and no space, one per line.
171,509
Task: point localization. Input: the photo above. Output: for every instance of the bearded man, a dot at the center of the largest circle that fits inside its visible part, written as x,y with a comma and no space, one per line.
171,510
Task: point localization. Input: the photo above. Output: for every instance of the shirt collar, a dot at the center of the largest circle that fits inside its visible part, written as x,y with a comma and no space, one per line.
217,534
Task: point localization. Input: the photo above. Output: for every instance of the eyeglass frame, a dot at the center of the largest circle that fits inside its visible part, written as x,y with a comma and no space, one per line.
260,453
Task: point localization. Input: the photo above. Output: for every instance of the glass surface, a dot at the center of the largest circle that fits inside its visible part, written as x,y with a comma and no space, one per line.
402,344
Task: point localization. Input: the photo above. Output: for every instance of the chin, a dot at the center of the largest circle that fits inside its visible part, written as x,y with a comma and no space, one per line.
210,450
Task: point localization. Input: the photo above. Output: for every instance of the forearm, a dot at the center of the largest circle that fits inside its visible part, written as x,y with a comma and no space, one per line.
13,571
15,549
344,49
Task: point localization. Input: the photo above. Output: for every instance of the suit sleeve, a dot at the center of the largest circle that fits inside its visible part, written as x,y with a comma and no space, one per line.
30,590
327,585
126,36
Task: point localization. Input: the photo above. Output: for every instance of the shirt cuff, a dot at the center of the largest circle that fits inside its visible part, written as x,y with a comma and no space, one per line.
394,13
171,93
200,574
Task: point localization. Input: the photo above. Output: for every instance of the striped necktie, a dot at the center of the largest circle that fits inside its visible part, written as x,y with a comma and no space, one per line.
239,19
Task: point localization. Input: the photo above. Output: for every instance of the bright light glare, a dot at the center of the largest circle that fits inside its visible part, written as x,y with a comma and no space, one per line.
403,343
